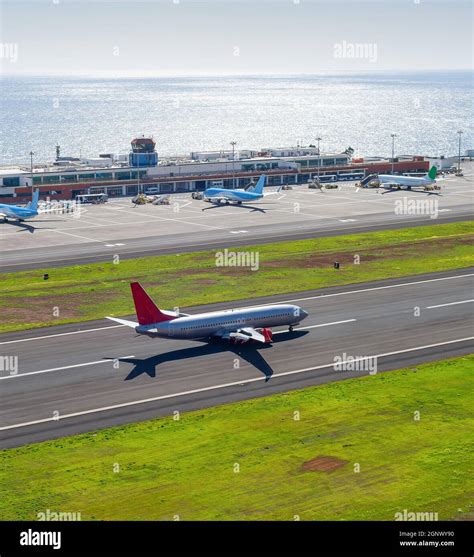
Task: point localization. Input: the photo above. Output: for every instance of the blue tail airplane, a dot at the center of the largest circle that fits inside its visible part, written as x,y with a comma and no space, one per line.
252,193
20,213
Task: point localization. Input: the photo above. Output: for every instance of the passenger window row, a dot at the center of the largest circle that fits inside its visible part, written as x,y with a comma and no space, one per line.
235,322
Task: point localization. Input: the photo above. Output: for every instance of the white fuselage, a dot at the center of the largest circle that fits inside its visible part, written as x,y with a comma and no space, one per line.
405,180
218,322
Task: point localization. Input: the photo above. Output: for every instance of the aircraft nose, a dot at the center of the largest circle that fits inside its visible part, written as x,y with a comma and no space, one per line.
303,314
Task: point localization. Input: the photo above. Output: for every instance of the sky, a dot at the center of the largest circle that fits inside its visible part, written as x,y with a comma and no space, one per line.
192,37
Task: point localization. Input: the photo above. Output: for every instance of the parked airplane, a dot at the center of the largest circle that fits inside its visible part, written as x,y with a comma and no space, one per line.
392,181
235,325
20,213
252,193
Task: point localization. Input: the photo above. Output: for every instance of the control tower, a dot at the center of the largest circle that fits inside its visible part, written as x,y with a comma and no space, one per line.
143,152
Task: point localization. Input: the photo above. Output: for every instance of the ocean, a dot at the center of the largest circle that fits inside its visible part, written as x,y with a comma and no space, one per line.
88,116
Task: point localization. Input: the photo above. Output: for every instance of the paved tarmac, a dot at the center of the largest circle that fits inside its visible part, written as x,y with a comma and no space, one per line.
79,378
117,227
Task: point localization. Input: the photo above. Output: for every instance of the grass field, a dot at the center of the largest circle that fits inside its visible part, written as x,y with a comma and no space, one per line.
308,467
80,293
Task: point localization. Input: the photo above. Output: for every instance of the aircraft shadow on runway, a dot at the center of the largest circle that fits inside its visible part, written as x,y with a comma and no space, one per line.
26,227
427,193
248,352
242,206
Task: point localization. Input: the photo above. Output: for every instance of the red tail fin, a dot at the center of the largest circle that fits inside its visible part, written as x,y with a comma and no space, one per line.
146,310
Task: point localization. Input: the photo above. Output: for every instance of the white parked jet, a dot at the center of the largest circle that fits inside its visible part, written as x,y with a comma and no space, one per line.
235,325
392,181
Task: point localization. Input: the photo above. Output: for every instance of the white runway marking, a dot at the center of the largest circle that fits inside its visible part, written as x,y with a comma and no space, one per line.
376,288
348,292
173,220
61,334
77,235
132,356
316,326
92,219
221,386
103,361
300,213
450,304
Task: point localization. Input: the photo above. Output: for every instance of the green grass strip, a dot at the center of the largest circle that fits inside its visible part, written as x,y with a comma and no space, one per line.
402,439
84,292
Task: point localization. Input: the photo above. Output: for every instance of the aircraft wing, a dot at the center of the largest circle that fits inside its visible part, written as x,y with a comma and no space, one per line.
272,192
245,334
131,324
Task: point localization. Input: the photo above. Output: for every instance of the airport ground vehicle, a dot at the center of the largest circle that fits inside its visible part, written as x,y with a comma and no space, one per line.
314,184
142,199
139,199
94,198
350,176
197,195
327,178
151,190
161,200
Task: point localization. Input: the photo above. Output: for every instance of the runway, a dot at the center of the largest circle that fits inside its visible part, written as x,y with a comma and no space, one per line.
100,233
74,379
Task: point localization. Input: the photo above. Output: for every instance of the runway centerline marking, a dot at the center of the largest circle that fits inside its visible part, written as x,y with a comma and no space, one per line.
316,326
257,305
103,361
72,366
450,304
374,288
221,386
62,334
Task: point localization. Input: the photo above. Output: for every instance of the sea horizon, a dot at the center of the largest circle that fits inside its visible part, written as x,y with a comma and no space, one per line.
89,115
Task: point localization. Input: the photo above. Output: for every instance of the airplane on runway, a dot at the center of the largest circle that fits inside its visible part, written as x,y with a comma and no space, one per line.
236,325
391,181
20,213
251,193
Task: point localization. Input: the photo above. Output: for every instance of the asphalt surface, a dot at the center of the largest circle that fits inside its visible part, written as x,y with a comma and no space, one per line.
79,254
75,379
100,233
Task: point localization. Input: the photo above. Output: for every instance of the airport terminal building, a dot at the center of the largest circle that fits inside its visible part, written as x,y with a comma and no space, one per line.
142,171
